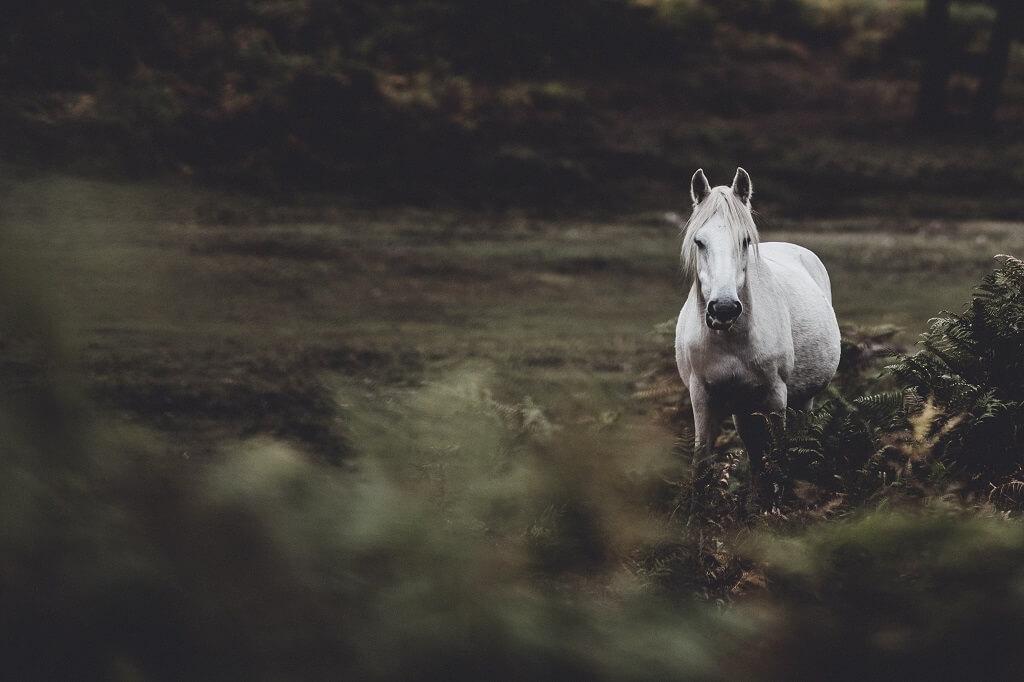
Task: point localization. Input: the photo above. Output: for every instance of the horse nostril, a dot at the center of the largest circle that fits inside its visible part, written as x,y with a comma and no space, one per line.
725,310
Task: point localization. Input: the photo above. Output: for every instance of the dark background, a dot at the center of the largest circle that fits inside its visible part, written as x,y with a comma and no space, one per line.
907,107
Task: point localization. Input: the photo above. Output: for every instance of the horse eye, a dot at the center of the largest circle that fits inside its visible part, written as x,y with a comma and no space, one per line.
746,242
699,243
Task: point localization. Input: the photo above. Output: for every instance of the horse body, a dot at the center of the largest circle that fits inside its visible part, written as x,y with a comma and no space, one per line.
757,333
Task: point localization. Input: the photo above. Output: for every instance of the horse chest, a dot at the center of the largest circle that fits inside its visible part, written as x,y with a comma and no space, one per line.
732,379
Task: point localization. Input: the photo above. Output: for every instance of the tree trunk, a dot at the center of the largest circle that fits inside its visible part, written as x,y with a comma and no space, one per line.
993,73
936,64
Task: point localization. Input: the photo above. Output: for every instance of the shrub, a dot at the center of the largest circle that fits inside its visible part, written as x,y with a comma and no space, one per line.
951,421
971,366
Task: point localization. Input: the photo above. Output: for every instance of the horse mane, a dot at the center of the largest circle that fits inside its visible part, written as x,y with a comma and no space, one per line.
736,214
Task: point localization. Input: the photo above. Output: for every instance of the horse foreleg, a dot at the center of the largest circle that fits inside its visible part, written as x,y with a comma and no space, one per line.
707,424
754,433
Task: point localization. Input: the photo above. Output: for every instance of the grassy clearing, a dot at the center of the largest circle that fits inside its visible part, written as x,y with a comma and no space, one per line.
216,329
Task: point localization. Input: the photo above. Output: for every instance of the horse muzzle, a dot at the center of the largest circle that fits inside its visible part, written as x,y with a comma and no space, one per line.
722,314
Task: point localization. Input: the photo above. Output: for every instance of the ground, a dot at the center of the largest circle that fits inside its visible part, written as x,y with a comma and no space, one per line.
214,317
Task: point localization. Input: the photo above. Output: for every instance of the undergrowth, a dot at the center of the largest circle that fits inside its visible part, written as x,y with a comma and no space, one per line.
942,425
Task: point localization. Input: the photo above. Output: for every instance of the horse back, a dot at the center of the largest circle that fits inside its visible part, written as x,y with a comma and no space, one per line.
795,256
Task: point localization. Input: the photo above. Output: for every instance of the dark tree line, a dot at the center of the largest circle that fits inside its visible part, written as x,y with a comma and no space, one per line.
938,62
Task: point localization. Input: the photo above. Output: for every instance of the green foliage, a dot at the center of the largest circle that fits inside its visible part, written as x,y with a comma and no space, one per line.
971,366
952,420
914,596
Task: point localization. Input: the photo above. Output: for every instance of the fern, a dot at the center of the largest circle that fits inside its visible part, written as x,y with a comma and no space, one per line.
954,417
970,364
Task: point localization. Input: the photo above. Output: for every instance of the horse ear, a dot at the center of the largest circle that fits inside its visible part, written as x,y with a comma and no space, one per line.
699,187
742,186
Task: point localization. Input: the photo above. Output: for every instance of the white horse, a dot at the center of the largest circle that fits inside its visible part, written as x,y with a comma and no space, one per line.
757,333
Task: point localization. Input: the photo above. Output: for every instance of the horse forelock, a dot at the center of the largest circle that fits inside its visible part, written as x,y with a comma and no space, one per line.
736,217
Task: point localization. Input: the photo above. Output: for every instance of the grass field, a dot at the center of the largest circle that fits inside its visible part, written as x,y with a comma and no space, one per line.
214,317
